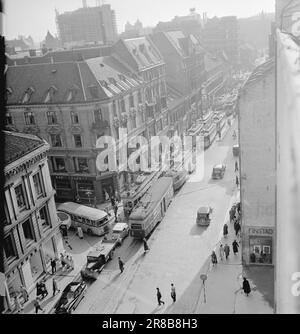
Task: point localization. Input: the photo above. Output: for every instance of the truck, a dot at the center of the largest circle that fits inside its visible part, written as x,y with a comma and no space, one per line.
97,259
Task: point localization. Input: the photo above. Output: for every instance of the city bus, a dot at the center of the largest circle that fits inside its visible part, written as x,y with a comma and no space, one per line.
151,208
92,221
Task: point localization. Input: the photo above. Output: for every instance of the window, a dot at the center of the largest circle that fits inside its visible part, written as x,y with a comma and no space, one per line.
81,165
28,232
8,119
98,115
44,218
20,195
38,185
9,247
140,97
58,165
131,101
52,118
74,117
7,220
56,140
77,141
29,118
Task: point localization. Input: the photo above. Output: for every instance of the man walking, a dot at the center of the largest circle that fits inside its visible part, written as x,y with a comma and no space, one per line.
246,286
173,293
121,265
221,252
158,294
116,212
37,306
55,286
226,251
236,168
235,247
225,230
53,266
237,181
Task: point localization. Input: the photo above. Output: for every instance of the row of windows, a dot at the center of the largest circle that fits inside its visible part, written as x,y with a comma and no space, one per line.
52,118
56,140
80,165
21,197
29,234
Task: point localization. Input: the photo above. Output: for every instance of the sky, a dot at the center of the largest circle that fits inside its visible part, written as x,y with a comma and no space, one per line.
36,17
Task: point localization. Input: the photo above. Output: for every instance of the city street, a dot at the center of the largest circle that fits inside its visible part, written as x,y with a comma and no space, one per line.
178,247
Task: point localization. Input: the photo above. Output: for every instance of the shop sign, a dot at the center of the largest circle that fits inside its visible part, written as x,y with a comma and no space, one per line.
260,231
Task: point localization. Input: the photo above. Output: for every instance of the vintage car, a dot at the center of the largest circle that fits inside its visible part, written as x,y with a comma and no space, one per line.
204,216
70,298
97,259
120,232
218,171
235,150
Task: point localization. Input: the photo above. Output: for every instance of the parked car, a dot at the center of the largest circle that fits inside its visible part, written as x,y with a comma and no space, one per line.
120,232
70,298
218,171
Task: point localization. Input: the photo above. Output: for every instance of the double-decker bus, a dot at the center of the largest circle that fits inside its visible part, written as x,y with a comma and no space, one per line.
151,209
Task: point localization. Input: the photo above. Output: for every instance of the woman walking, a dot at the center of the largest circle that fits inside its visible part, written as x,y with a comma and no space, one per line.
214,259
246,286
225,230
235,247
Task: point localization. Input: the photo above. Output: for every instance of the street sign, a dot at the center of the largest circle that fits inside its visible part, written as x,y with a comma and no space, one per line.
203,277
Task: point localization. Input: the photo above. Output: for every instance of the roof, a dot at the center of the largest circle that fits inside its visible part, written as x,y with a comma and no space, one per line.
143,52
151,198
82,210
204,209
260,72
18,145
87,81
120,226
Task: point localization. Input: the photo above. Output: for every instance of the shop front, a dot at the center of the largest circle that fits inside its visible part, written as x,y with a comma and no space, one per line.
260,246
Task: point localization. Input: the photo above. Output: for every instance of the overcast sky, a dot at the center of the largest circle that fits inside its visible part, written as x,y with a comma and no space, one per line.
35,17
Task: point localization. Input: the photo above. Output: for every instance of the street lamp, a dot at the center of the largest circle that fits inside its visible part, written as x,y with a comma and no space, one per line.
203,277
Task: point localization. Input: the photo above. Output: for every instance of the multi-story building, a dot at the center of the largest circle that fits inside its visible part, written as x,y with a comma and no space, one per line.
257,165
221,35
87,25
185,72
31,227
71,104
142,56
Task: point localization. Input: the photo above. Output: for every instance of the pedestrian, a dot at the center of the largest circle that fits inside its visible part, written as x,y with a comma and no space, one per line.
221,252
246,286
146,247
44,289
235,247
55,286
37,306
225,230
173,293
53,266
237,227
62,261
236,168
116,212
226,251
158,294
237,181
113,202
18,307
121,265
214,259
24,293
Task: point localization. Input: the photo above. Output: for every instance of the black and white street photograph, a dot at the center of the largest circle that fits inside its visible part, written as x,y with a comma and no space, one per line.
151,159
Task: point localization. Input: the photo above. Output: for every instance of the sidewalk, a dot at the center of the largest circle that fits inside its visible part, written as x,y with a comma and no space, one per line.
226,129
223,287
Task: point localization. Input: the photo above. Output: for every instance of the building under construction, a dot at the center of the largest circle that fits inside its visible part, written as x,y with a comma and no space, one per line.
87,25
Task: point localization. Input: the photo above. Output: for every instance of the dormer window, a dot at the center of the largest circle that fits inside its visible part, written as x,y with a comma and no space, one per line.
8,119
112,81
27,95
72,93
103,83
49,96
9,91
